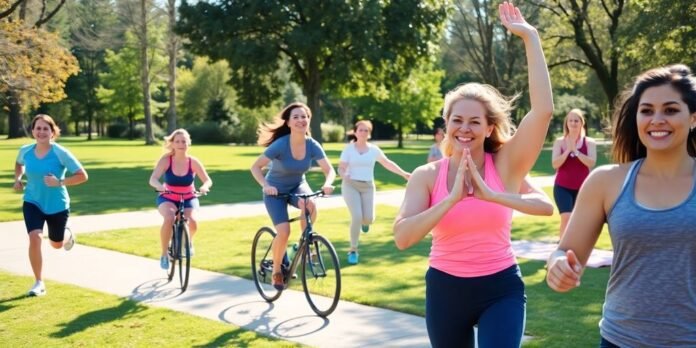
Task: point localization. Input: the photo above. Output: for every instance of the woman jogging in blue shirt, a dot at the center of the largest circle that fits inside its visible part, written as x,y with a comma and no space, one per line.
46,201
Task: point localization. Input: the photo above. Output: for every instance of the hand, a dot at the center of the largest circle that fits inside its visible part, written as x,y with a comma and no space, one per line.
570,144
564,272
328,189
51,181
204,190
457,192
481,189
18,186
512,20
406,176
270,190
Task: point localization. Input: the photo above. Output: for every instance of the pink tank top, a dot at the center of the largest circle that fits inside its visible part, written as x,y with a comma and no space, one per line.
473,238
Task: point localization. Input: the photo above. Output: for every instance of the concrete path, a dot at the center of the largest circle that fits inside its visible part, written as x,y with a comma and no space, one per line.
217,296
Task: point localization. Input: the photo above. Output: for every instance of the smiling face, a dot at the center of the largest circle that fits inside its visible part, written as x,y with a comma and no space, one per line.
298,121
467,125
42,131
362,131
574,123
663,119
180,143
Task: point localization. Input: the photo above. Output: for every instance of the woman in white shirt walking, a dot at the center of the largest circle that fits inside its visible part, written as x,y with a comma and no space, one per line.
358,186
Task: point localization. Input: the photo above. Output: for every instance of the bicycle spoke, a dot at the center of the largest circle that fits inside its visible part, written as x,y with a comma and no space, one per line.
321,276
262,264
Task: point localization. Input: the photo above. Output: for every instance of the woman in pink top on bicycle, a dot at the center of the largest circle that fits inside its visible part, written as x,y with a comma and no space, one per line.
466,200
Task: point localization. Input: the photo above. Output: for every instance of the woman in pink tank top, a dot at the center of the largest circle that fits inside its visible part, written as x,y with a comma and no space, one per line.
572,156
466,201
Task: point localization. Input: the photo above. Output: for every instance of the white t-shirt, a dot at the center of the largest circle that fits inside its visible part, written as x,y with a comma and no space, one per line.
361,166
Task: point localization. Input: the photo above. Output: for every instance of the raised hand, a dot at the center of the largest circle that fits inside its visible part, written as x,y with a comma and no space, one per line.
457,192
564,272
512,20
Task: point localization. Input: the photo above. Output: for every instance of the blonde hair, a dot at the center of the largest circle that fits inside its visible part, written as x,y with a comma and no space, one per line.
169,139
498,109
579,113
51,123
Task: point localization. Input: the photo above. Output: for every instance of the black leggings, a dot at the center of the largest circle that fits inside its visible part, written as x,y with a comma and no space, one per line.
496,303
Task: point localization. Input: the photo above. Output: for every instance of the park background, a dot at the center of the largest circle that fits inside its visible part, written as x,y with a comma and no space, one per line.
118,75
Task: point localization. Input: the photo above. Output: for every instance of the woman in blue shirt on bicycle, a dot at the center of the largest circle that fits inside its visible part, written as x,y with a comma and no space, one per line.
290,150
46,200
179,170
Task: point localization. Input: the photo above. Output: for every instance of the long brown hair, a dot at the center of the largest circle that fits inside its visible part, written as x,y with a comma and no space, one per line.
627,146
268,133
350,135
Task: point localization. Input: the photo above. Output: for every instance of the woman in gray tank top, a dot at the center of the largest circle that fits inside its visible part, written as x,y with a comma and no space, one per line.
648,200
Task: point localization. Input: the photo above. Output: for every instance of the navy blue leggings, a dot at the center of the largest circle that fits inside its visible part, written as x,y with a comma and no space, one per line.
496,303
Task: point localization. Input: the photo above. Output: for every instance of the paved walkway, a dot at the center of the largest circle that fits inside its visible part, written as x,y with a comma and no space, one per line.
217,296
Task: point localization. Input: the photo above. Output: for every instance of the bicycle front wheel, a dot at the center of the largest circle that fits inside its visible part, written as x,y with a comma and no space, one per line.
184,256
321,276
262,264
172,252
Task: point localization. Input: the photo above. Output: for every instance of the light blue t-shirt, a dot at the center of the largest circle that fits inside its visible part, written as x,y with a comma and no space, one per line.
57,160
286,173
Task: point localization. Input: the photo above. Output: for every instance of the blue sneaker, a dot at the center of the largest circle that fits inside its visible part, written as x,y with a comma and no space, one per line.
353,258
164,262
365,228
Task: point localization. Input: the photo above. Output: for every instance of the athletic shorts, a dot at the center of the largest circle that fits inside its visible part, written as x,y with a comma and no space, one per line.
34,219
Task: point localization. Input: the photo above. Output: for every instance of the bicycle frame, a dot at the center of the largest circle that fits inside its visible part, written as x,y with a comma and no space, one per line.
303,245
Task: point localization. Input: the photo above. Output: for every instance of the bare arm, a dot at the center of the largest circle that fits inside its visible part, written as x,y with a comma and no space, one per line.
590,159
343,169
392,166
79,177
257,173
19,172
157,173
329,173
416,218
202,174
566,264
525,145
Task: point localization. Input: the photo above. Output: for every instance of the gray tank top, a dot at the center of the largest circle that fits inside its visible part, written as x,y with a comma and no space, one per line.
651,295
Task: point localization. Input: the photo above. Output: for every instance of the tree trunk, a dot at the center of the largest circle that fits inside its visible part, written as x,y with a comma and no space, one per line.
400,127
16,119
145,75
312,90
172,47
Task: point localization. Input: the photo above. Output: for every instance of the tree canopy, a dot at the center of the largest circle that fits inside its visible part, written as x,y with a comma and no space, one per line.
324,41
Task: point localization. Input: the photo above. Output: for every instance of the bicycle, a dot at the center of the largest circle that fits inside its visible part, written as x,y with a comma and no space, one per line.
180,243
320,271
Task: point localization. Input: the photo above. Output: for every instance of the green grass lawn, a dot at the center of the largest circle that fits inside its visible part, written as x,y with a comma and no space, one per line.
387,277
71,316
119,171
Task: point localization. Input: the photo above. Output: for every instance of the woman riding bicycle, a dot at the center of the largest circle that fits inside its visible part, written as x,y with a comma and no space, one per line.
179,170
290,151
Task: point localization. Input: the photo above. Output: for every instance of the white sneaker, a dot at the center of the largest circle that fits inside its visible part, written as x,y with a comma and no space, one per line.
39,289
70,242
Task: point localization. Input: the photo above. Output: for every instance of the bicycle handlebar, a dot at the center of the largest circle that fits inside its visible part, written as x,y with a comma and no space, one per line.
167,192
319,193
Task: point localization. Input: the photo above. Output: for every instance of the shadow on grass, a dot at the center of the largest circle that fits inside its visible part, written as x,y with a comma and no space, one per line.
6,303
90,319
234,336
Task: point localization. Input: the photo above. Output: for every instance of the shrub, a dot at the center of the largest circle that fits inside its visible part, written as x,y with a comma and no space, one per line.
211,133
332,133
117,130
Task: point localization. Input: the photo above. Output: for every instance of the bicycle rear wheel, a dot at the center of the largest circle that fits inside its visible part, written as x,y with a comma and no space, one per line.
262,264
184,256
321,276
172,252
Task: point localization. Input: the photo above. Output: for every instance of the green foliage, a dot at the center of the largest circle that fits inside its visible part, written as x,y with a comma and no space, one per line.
210,132
323,41
117,130
203,84
333,133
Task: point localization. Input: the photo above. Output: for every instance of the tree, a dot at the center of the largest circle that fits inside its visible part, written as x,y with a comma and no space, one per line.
325,41
33,65
479,48
91,33
172,49
201,85
593,28
120,92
